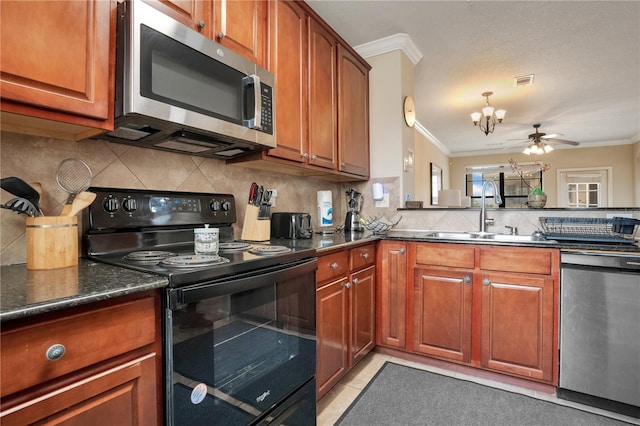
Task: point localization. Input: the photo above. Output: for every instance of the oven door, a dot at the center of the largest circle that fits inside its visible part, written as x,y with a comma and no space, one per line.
243,349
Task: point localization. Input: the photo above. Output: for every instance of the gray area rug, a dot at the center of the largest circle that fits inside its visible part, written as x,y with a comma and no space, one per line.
400,395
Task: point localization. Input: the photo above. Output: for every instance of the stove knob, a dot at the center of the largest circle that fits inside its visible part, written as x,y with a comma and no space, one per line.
111,205
226,206
129,205
215,205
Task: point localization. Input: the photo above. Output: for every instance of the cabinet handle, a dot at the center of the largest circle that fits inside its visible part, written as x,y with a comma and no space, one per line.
201,25
305,155
365,254
467,280
55,352
401,251
347,284
355,281
486,281
334,266
314,157
220,35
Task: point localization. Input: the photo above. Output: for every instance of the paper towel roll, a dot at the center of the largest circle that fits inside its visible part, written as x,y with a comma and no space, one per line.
325,208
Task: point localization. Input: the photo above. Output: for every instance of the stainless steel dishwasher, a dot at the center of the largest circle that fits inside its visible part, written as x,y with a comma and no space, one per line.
600,331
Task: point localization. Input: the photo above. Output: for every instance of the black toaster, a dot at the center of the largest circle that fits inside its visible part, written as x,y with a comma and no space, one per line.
291,225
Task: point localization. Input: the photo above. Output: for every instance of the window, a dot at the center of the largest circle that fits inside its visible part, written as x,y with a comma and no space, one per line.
514,188
583,194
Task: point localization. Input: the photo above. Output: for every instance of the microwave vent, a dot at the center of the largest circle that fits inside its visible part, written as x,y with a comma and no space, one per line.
132,132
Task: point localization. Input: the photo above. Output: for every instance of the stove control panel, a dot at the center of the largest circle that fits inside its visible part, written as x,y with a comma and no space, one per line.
132,208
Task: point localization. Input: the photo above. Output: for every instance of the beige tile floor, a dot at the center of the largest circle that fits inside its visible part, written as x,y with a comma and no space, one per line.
338,399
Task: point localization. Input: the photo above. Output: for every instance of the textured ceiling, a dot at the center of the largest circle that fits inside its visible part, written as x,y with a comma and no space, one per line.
585,56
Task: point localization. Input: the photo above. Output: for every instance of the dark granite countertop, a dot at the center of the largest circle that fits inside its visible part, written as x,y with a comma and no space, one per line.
25,293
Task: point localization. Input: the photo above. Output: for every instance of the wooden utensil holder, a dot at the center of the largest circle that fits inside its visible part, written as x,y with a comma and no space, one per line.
52,242
255,229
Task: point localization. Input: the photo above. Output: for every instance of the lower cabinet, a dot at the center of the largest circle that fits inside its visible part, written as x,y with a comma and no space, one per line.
345,312
391,294
491,307
442,313
84,365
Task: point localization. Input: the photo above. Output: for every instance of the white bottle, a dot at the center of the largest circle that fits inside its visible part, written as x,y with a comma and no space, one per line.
325,208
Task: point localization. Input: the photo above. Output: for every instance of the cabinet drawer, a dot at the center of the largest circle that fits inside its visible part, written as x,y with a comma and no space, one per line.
87,338
332,265
516,259
452,255
363,256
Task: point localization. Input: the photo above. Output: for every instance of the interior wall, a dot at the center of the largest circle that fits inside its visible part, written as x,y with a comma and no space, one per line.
427,153
619,157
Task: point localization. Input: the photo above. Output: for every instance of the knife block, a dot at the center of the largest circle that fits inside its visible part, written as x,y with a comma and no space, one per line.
255,229
52,242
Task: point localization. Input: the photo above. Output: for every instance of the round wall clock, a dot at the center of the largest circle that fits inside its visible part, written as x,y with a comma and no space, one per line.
409,111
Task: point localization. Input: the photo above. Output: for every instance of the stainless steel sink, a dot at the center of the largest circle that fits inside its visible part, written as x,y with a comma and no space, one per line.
478,236
452,235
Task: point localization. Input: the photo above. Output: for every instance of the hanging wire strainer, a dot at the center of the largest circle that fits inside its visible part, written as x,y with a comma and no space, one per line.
74,176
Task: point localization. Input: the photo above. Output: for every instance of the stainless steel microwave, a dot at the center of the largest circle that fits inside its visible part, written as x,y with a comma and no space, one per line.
177,90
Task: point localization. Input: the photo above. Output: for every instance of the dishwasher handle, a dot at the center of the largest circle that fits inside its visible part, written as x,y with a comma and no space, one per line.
602,260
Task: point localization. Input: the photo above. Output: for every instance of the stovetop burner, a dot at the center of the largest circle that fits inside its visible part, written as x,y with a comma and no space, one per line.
193,261
148,256
269,250
234,246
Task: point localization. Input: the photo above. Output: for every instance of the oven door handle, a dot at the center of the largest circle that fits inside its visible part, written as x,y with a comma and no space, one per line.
238,283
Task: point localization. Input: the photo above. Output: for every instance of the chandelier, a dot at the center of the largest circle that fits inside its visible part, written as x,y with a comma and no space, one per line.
486,119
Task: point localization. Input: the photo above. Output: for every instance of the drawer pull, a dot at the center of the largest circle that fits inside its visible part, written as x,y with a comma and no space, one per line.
55,352
401,251
486,281
355,281
334,265
347,285
365,254
467,279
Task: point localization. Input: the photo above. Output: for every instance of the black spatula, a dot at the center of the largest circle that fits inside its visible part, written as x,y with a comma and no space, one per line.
22,189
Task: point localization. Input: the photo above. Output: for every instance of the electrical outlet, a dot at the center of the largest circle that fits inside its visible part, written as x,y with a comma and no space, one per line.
384,202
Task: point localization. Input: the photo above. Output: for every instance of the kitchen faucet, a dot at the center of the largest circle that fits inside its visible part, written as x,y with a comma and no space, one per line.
484,221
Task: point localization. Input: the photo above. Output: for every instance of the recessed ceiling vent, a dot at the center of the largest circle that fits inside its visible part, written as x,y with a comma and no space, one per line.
523,80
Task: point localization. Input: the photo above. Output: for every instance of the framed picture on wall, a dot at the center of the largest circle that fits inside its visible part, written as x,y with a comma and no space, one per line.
436,182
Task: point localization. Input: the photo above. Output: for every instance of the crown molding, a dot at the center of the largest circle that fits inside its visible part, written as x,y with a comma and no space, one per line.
427,134
398,41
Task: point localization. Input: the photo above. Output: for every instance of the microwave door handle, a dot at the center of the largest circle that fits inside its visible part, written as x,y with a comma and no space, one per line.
254,122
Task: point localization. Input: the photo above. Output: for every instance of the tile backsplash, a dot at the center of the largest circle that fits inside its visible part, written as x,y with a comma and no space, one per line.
35,159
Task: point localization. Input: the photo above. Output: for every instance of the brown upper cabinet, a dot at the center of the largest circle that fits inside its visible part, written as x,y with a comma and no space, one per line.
322,109
56,78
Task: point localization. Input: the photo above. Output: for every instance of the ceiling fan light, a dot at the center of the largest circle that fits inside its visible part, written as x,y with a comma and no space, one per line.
475,116
500,115
487,111
527,151
548,148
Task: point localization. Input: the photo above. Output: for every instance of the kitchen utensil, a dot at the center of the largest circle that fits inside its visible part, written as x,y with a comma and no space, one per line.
252,192
265,206
21,205
22,189
80,202
74,176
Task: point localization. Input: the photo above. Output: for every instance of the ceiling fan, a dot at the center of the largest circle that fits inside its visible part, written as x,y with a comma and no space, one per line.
539,142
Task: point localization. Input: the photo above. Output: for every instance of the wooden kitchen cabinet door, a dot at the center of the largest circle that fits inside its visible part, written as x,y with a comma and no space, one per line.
391,294
55,60
288,62
195,14
353,114
363,299
323,135
242,26
442,313
332,319
124,395
517,324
